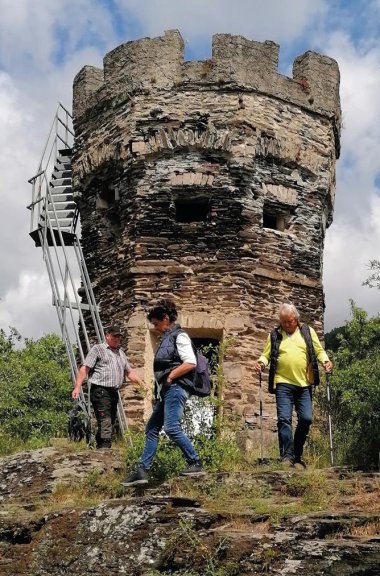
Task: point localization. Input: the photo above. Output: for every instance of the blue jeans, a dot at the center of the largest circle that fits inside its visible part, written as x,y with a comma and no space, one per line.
168,413
289,396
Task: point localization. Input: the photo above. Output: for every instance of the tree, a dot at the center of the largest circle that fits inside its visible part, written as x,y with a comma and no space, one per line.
34,387
373,280
355,390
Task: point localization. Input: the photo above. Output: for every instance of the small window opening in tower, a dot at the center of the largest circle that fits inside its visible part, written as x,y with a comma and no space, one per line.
209,348
192,209
276,220
106,197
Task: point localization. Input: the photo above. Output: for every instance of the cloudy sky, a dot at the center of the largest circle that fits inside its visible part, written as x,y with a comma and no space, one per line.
44,43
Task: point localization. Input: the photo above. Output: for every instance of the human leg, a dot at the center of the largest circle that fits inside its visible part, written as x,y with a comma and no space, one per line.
175,399
139,476
284,406
303,405
101,399
114,402
152,431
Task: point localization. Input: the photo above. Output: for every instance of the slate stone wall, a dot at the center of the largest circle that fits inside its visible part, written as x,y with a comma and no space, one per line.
254,151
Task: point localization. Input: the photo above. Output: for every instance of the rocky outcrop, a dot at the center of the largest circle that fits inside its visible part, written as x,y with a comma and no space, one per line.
164,529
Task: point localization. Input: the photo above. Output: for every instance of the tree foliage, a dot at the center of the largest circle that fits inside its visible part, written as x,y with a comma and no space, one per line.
34,387
355,390
373,280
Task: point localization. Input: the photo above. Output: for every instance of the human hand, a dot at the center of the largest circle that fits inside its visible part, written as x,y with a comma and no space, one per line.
259,366
133,376
328,366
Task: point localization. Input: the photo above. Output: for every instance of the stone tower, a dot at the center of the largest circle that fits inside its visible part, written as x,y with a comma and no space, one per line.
208,181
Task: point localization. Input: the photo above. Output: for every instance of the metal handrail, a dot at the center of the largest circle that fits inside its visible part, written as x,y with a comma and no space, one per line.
65,267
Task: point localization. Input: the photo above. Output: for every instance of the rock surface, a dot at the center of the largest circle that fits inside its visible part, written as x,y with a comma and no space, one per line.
165,528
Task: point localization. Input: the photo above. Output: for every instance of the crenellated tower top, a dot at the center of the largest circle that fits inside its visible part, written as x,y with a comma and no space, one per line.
236,63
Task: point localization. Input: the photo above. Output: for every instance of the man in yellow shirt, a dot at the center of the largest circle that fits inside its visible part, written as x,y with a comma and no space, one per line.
293,351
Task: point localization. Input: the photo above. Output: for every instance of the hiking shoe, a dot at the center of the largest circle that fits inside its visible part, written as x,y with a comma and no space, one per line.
287,463
103,444
300,465
138,477
194,469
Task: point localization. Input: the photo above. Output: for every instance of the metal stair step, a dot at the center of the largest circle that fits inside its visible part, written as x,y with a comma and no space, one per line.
62,163
66,152
62,223
61,205
61,198
57,190
61,213
60,182
63,166
63,158
58,174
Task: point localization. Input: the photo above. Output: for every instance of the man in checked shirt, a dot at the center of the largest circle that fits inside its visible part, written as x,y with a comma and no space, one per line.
106,367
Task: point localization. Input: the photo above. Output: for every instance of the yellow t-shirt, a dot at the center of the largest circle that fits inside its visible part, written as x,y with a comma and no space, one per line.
292,357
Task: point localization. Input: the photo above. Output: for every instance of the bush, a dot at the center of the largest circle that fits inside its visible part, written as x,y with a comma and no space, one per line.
355,393
217,454
34,389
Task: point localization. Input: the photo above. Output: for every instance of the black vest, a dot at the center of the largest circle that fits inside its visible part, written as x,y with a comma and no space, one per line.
275,341
167,358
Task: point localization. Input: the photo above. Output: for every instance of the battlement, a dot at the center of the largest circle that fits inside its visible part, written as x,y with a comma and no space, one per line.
152,64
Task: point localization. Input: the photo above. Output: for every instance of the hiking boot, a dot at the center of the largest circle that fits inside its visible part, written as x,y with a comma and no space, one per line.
103,444
138,477
194,469
300,465
287,463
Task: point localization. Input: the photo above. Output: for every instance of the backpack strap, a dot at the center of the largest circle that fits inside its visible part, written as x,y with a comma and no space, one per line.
305,331
275,341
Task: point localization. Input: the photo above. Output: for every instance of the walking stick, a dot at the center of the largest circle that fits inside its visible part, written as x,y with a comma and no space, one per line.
328,374
263,459
261,418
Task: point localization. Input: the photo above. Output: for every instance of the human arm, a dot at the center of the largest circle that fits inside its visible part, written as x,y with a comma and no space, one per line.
187,356
263,361
320,352
80,378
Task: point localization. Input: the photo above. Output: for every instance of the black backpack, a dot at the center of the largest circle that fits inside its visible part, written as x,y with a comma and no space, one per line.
79,424
202,382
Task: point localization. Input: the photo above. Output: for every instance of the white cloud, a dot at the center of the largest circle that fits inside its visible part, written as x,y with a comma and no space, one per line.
354,237
27,306
348,252
44,44
273,19
37,38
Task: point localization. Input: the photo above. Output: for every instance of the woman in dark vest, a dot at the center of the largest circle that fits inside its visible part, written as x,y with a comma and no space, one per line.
293,351
174,365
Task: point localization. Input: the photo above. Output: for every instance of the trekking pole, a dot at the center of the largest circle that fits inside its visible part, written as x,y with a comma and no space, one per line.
261,418
328,374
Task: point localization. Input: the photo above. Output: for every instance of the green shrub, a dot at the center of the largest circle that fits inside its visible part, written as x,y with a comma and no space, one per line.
355,393
217,454
34,390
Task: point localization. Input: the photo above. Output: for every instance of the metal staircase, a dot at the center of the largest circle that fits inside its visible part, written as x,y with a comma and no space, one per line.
53,227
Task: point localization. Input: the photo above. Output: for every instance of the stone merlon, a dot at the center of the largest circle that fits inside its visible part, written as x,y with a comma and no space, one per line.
158,64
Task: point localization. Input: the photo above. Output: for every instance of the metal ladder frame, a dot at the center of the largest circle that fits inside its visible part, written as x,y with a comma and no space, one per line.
66,268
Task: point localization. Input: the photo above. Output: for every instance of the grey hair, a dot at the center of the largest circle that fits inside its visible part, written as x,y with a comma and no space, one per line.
289,309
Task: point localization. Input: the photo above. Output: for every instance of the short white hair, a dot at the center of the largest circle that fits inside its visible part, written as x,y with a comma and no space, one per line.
286,308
